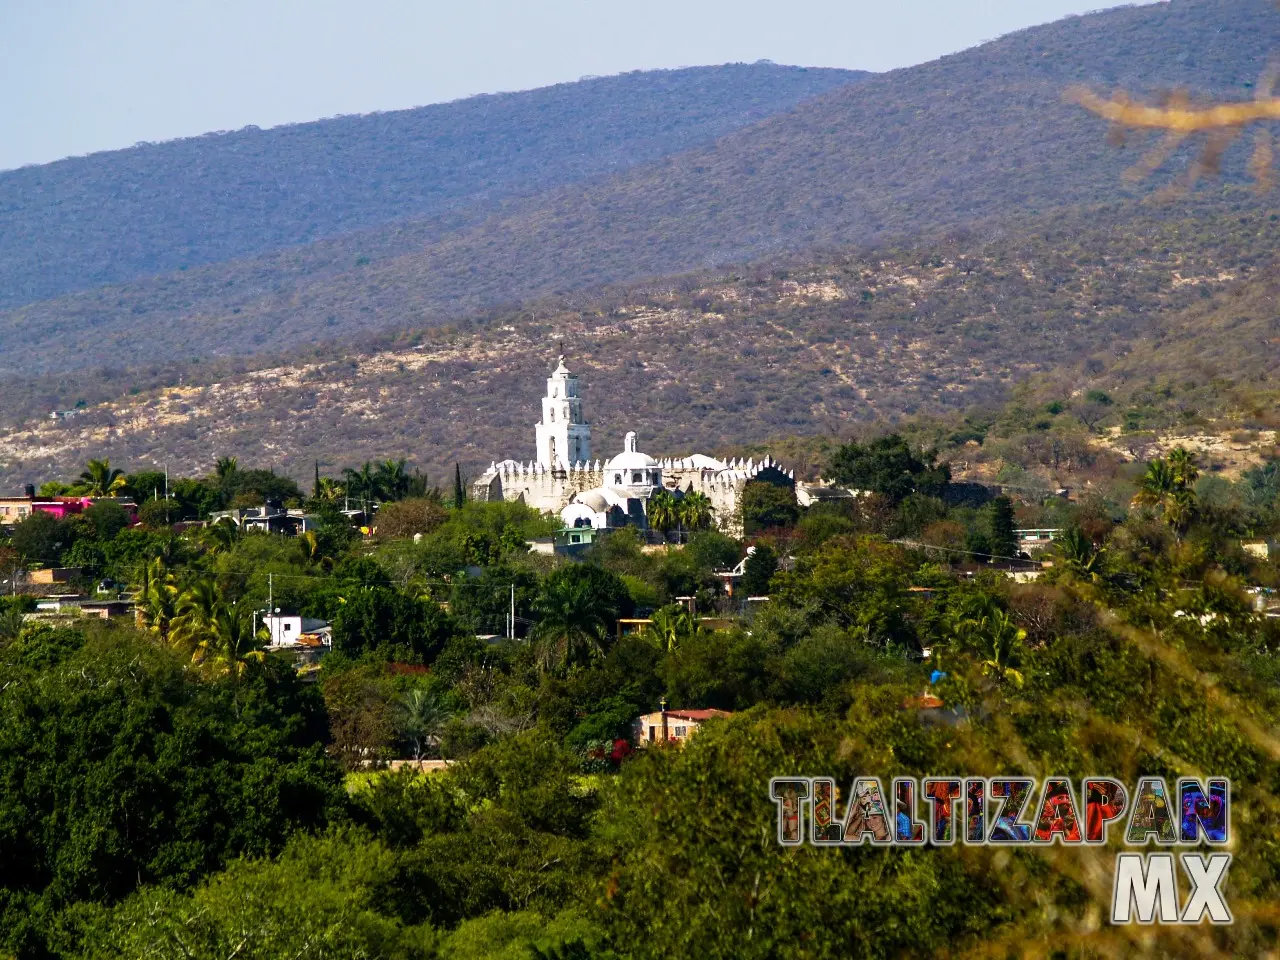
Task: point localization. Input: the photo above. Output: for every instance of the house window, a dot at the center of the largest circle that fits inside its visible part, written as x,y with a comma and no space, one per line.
681,733
653,732
637,476
617,479
553,416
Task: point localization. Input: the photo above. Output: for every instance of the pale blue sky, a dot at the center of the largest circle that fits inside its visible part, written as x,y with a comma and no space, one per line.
83,75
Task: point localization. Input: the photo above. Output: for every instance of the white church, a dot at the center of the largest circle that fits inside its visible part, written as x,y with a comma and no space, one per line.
565,481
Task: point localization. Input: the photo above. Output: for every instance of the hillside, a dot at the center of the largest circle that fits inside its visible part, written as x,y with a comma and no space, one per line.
722,359
117,216
981,134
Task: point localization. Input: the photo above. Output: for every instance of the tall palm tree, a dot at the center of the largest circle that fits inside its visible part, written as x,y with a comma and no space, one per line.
984,628
158,599
229,646
361,484
224,467
195,612
1182,462
663,511
101,480
391,480
696,511
1156,485
571,625
1167,486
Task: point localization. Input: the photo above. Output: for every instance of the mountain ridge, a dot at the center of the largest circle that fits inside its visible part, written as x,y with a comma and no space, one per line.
975,135
117,216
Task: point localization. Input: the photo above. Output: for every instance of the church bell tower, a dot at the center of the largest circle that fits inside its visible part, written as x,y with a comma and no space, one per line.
563,436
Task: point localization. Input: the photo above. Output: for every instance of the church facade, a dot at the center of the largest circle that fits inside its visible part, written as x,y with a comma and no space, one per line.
564,480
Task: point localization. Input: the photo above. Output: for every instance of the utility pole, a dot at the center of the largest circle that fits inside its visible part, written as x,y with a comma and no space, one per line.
512,634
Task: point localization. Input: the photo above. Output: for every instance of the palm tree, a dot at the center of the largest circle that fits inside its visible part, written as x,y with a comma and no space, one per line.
221,536
420,716
100,480
1182,462
330,490
671,625
571,625
696,511
663,511
1167,486
1156,485
1001,642
195,612
1079,554
984,628
158,599
229,646
224,467
391,480
361,484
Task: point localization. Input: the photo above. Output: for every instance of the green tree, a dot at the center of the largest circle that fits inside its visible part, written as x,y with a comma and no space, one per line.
159,513
459,488
122,768
1166,487
100,480
888,466
483,604
671,625
695,511
41,538
382,620
104,520
663,511
576,613
762,563
322,898
229,646
1000,523
768,505
391,480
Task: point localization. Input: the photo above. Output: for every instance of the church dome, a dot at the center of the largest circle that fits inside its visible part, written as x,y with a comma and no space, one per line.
635,472
631,458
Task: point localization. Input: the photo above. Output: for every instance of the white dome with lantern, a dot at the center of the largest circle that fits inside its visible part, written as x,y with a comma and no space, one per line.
632,469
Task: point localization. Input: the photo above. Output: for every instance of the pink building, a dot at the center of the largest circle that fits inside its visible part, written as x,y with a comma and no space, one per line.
63,507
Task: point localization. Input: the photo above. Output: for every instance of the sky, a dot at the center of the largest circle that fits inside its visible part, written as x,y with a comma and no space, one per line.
78,76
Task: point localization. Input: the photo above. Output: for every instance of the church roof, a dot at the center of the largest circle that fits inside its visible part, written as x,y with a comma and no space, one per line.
599,499
631,458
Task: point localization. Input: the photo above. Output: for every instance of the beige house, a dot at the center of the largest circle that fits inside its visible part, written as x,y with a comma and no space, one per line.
671,726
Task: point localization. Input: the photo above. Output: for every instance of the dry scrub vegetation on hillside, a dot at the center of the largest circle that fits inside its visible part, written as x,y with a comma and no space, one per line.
1167,320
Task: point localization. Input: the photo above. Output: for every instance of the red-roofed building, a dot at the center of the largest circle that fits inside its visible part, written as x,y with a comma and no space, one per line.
671,726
